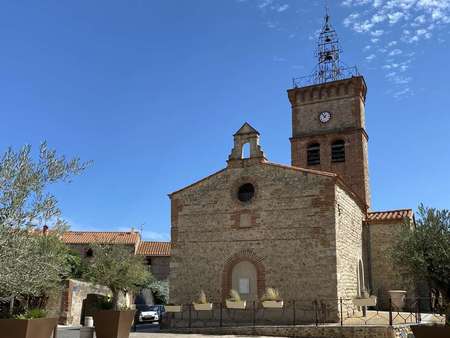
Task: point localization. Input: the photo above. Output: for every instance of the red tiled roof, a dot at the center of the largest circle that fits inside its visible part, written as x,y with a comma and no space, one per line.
389,216
154,249
85,237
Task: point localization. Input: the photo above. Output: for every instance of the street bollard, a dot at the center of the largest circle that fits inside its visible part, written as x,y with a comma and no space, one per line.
89,321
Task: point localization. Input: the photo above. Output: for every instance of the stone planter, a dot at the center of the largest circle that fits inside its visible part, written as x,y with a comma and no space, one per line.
273,304
203,307
370,301
241,305
113,324
430,331
172,308
398,298
27,328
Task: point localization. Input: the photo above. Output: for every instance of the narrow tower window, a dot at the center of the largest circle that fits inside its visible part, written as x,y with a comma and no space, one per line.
246,150
313,154
338,151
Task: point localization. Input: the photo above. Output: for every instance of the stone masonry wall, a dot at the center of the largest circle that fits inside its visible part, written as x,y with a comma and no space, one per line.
345,99
287,231
349,218
160,267
384,275
305,331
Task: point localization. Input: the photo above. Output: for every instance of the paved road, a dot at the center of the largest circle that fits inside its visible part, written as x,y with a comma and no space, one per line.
144,331
74,332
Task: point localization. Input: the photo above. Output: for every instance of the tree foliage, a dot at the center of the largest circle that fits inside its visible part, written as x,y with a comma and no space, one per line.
119,269
32,264
24,197
160,291
424,251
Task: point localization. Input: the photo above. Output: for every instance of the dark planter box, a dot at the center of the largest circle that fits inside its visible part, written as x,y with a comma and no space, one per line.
431,331
27,328
113,324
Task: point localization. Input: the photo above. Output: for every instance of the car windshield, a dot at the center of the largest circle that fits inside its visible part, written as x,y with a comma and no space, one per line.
149,308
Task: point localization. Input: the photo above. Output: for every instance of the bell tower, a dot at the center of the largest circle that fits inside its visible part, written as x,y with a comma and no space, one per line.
328,117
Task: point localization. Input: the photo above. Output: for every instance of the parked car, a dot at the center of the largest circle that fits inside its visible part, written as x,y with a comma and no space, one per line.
149,313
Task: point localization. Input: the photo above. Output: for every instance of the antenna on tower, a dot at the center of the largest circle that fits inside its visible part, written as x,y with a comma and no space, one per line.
328,55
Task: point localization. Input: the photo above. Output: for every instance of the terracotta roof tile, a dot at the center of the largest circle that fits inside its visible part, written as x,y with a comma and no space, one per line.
84,237
389,216
154,249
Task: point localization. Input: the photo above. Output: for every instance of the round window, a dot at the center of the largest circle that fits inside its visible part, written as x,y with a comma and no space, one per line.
246,192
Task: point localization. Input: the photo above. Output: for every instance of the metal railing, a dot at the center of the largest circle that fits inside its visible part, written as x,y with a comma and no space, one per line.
344,73
337,312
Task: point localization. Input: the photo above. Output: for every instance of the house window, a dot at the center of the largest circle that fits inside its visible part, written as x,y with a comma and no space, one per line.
338,151
313,154
246,192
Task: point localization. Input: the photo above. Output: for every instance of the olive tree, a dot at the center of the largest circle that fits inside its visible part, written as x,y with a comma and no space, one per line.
424,251
31,264
119,269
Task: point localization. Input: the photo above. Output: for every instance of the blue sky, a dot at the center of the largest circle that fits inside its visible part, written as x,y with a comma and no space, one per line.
152,91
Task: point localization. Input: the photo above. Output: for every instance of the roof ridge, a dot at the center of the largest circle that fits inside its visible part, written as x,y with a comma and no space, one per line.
108,232
155,242
393,210
312,171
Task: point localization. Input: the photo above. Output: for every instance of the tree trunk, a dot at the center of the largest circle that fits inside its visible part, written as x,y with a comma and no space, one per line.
115,299
11,306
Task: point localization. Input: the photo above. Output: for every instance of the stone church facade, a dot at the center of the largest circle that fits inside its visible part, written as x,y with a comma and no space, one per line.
306,229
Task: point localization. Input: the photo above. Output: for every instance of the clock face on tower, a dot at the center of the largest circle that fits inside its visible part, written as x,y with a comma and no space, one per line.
325,116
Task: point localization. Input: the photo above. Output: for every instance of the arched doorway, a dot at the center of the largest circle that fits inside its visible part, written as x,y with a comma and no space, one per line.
244,279
245,273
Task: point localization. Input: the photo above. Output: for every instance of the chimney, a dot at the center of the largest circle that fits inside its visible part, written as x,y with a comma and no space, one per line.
45,230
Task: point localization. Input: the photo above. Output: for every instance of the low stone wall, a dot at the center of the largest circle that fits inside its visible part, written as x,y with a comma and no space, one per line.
304,331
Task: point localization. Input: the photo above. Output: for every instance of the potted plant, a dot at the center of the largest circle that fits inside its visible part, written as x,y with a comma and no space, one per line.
202,303
32,323
422,250
172,308
398,298
271,299
235,301
119,269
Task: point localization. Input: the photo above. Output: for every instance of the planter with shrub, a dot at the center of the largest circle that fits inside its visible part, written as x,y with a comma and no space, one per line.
235,301
272,299
202,303
30,324
120,270
172,308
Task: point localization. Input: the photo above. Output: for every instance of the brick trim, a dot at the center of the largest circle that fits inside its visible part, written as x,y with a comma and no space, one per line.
243,256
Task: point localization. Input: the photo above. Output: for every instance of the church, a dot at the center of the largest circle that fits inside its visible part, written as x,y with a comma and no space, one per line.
306,229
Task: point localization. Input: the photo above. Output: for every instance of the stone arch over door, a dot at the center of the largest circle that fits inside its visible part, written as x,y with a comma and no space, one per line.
243,260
